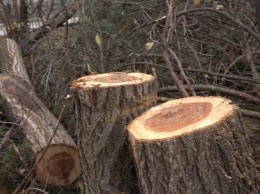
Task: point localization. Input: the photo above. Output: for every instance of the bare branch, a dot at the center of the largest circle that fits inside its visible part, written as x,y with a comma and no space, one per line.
227,91
240,24
165,51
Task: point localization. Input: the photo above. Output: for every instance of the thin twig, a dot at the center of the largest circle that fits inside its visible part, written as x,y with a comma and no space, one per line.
204,87
233,77
6,137
244,27
182,72
19,155
165,51
14,171
34,189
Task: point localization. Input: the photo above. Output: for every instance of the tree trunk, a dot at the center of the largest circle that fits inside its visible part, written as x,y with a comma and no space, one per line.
193,145
104,104
60,164
11,61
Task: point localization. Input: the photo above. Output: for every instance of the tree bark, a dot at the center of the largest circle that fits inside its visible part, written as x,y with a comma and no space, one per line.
11,61
104,104
57,160
193,145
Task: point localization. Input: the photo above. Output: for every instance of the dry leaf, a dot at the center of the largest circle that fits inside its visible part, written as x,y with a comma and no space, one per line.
98,40
196,2
149,45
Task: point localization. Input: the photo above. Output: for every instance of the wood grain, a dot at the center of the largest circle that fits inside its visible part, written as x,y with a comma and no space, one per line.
175,153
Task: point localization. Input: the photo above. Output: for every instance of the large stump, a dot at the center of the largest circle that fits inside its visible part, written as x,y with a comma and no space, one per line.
104,104
193,145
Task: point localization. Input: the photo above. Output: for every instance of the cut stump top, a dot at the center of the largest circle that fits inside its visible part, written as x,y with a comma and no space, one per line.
177,117
113,79
60,165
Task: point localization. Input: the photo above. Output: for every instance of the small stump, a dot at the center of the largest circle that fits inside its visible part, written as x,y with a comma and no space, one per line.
193,145
104,105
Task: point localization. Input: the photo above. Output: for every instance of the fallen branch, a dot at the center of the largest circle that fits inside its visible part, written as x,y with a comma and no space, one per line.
249,113
225,14
165,37
227,91
223,76
6,137
55,20
60,164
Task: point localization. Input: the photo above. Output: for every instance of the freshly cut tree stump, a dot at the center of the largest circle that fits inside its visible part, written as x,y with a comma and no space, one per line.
60,164
193,145
104,105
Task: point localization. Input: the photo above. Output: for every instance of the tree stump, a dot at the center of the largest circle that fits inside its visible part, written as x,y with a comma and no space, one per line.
104,104
57,160
193,145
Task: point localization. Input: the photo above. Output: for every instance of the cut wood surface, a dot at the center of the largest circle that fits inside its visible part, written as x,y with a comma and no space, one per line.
60,164
104,105
193,145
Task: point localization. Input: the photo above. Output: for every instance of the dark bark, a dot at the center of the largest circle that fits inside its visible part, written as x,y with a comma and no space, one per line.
104,104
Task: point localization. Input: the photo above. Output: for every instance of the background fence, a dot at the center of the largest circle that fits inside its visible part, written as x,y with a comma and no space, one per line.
38,11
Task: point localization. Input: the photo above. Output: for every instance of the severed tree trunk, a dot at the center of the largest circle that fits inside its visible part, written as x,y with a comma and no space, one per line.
104,104
193,145
58,160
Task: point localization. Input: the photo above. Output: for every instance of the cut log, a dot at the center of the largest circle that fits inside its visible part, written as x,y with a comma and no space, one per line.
193,145
58,160
60,164
104,104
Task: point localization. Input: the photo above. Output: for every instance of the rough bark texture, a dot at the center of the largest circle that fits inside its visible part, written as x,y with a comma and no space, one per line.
104,104
60,164
11,61
193,145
